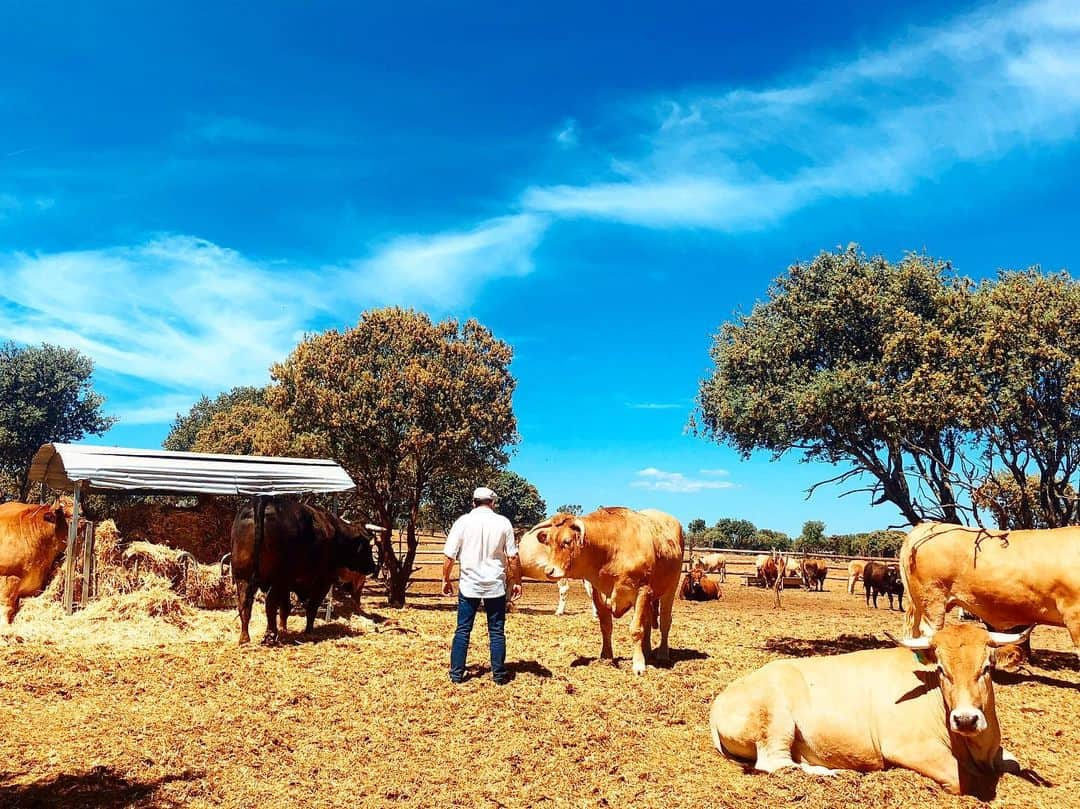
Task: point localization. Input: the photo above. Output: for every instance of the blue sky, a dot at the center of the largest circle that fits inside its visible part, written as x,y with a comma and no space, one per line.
186,191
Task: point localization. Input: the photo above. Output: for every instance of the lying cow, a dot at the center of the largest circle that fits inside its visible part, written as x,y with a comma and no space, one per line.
31,538
854,574
535,560
874,709
712,563
1007,578
882,579
699,586
633,559
282,546
814,573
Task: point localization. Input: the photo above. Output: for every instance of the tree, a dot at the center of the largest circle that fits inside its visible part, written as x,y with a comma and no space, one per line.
46,395
696,527
812,538
570,508
403,403
185,429
249,428
855,361
517,499
730,533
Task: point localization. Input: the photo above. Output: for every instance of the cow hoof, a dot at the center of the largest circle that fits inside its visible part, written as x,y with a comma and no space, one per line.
639,669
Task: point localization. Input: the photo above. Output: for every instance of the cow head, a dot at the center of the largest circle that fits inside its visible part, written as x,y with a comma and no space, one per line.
359,555
696,575
564,537
964,656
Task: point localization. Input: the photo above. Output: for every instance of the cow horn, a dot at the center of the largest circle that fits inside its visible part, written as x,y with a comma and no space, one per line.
915,644
1008,638
579,524
371,527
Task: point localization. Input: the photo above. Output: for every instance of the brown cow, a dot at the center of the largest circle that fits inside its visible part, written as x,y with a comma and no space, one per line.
767,569
814,573
31,537
1007,578
697,586
633,559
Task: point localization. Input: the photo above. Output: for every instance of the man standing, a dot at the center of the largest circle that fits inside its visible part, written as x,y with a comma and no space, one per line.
482,542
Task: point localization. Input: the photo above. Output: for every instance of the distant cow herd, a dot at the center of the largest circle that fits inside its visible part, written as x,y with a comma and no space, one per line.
861,711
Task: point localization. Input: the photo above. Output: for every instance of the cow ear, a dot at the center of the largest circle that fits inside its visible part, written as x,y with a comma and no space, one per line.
49,516
542,537
579,526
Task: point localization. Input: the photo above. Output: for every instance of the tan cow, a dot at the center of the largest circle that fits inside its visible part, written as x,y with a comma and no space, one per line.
874,709
712,563
854,573
813,573
633,559
1007,578
535,561
31,537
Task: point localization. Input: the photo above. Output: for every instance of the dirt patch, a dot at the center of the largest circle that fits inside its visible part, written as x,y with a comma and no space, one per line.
161,713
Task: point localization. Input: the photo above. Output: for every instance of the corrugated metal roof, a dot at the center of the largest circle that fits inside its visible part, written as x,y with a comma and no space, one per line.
119,469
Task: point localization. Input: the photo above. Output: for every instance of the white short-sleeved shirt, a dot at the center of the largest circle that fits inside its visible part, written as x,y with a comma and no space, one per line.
481,541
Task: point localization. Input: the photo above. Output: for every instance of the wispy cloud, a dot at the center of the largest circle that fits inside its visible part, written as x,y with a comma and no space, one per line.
443,269
660,481
567,136
654,406
969,90
186,316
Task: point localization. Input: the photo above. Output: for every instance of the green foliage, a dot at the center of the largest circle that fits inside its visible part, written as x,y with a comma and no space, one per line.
696,527
402,403
518,500
812,539
570,508
46,395
870,543
184,432
914,380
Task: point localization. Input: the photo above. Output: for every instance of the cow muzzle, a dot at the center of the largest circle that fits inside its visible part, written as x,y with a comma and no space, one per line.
967,721
555,572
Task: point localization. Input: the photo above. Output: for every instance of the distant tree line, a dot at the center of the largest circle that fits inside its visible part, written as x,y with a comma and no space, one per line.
740,534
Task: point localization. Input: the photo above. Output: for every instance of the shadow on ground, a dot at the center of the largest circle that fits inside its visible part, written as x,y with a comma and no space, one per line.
808,647
98,788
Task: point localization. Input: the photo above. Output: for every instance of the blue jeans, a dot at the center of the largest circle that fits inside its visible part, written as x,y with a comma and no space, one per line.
495,608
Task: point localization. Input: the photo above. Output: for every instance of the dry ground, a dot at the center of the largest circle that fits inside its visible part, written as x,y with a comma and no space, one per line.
170,712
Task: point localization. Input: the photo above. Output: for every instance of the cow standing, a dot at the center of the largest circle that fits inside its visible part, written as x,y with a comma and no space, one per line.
31,538
282,546
535,560
854,573
874,709
882,579
813,573
633,559
711,563
1007,578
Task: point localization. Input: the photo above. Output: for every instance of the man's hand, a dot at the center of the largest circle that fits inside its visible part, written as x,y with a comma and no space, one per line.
515,591
447,588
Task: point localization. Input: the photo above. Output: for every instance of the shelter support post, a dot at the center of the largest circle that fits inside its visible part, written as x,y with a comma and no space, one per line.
69,556
87,563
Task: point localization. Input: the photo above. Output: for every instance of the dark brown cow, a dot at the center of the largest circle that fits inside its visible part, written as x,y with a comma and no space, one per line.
699,586
814,573
282,546
31,537
881,579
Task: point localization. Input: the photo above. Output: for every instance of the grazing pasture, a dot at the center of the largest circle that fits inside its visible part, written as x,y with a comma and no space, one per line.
169,711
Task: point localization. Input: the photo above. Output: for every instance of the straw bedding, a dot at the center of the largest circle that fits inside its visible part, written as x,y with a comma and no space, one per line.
115,708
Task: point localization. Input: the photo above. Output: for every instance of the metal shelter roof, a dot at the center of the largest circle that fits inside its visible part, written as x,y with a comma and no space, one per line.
102,469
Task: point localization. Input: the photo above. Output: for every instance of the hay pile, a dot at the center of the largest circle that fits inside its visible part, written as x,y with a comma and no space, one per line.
202,530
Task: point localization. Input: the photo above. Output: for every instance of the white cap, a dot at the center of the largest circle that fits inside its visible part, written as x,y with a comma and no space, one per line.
483,493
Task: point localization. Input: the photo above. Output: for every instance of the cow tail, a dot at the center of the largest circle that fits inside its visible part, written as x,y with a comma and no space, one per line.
907,561
260,522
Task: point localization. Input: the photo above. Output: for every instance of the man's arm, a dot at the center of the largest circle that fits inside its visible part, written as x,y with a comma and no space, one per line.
515,578
450,550
447,569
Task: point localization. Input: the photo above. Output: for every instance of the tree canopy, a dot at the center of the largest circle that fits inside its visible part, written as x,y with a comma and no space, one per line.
46,395
184,432
517,499
918,383
402,403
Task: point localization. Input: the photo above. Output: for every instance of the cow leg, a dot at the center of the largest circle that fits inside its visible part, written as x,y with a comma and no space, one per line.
637,630
284,608
564,591
272,596
311,608
1072,623
589,593
603,612
9,597
667,602
245,599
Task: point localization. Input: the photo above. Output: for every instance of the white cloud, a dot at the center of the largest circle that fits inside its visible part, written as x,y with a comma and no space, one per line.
714,472
444,269
184,316
970,90
568,137
654,406
660,481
